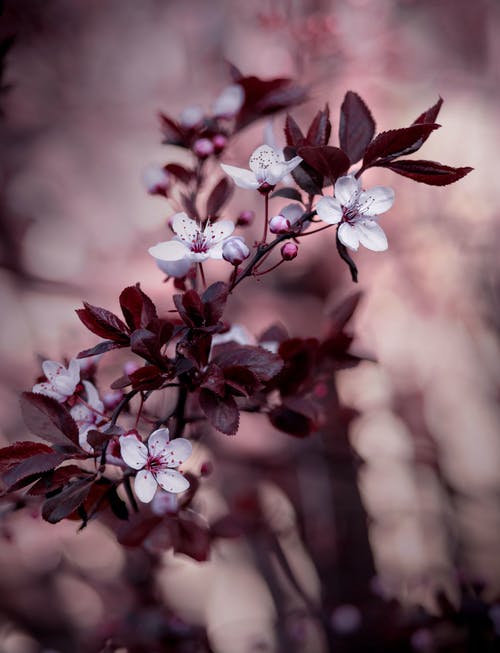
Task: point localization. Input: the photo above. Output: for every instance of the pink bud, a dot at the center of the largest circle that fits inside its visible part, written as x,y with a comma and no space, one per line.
279,225
235,251
156,180
130,367
219,142
206,468
203,147
245,218
289,251
112,398
191,116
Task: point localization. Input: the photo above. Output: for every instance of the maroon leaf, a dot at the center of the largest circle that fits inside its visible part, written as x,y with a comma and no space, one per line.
55,479
261,362
49,420
138,527
343,311
288,193
220,194
320,128
103,323
102,348
189,205
356,126
137,308
222,412
190,307
345,256
67,501
329,161
293,134
295,416
431,114
191,537
391,144
214,299
299,355
304,175
182,174
146,344
148,377
20,451
33,467
241,381
214,380
428,172
174,134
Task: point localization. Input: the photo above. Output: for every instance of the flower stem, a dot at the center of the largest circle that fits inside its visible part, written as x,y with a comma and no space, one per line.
266,217
202,274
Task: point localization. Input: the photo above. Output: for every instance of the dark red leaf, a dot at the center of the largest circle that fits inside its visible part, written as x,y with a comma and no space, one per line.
68,500
55,479
182,174
33,467
219,196
295,416
137,528
428,172
190,307
221,412
345,256
342,312
304,175
431,114
117,505
146,344
261,362
293,134
331,162
174,134
103,323
49,420
241,381
137,308
356,126
320,128
214,299
96,439
20,451
288,193
189,206
102,348
396,142
148,377
191,537
214,380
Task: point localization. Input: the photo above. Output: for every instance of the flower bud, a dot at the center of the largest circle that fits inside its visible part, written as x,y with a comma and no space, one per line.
279,225
191,116
130,367
235,251
203,147
245,218
112,398
289,251
156,180
219,142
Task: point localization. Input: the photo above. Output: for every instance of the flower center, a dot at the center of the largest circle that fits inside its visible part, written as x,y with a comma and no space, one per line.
154,464
350,213
199,244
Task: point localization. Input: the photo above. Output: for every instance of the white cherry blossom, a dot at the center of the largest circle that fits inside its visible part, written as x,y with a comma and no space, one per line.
193,242
88,417
267,167
356,211
61,381
155,462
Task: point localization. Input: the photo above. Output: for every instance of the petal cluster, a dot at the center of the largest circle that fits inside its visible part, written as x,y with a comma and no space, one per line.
155,462
88,416
267,167
193,242
61,381
356,212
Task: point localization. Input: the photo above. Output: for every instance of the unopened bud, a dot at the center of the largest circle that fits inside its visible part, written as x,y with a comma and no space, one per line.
245,218
112,398
203,147
156,180
219,142
191,116
130,367
289,251
279,225
235,251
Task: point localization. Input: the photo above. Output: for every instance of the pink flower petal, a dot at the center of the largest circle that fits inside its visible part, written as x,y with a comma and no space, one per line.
329,210
346,189
145,486
158,441
172,481
170,250
372,236
241,177
133,451
348,236
375,201
177,452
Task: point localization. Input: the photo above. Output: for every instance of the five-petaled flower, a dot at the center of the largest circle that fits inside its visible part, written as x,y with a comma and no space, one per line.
193,242
155,462
267,167
355,211
88,416
61,381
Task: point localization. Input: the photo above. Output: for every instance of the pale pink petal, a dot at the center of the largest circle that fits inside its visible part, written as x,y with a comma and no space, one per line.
185,227
64,384
218,231
264,157
371,235
172,481
145,486
348,236
346,189
158,440
292,212
49,391
241,177
215,252
177,452
292,164
375,201
170,250
133,451
93,396
52,369
82,438
176,269
74,371
329,210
